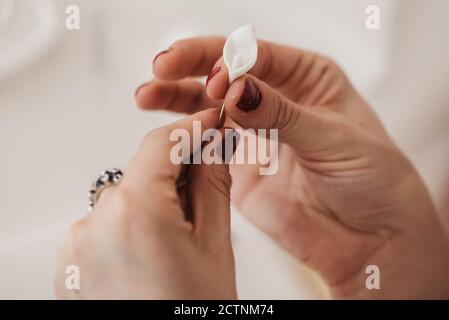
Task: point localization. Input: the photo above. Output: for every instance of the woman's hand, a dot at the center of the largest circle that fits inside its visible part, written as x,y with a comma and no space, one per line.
344,197
137,242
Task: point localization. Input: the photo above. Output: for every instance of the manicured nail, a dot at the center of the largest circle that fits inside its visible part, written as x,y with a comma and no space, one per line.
161,53
213,73
251,96
139,87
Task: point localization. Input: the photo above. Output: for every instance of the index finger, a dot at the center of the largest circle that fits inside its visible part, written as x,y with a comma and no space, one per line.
276,64
191,57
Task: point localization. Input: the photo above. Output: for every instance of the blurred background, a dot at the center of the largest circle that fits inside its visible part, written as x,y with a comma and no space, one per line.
67,109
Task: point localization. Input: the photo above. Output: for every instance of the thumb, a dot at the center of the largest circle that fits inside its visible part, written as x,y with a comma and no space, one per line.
253,104
208,197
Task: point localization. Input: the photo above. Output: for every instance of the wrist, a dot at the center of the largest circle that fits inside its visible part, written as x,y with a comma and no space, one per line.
413,260
413,264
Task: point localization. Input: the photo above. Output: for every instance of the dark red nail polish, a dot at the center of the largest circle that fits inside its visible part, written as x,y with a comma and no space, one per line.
212,74
251,96
161,53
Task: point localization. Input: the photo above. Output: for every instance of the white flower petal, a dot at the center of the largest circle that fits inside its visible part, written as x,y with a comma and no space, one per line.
240,52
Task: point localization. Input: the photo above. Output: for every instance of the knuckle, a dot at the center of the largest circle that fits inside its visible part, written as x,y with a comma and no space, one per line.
126,219
131,218
124,202
328,63
153,136
330,67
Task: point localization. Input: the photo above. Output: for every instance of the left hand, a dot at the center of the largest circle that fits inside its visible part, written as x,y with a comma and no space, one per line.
137,243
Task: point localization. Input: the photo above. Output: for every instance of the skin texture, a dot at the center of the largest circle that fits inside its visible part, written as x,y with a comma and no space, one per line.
345,196
137,242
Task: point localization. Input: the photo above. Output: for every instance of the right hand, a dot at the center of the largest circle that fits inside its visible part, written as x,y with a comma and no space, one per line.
344,196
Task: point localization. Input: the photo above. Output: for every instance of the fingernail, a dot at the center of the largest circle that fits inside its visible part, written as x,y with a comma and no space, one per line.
213,73
251,96
161,53
139,87
231,139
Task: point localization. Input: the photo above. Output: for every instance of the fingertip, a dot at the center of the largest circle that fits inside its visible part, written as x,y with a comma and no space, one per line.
149,95
162,70
165,64
217,82
136,92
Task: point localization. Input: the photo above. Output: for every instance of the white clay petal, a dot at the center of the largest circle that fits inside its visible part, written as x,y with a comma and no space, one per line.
240,52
